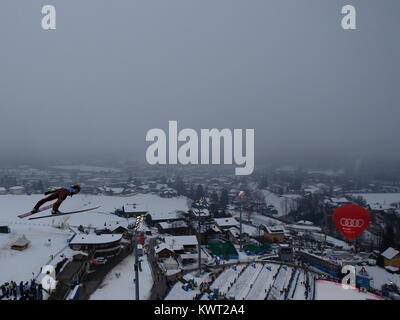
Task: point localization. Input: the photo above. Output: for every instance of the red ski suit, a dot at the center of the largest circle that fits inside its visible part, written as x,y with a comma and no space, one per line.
60,194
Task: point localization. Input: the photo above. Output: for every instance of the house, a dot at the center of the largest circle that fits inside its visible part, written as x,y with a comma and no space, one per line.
175,245
129,214
176,228
114,228
226,223
5,229
156,217
3,191
285,252
21,244
18,190
302,228
391,258
274,233
163,252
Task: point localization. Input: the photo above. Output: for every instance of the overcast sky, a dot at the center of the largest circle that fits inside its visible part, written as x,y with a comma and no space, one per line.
115,69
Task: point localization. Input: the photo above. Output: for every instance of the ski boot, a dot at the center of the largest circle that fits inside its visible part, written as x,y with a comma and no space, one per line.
34,211
55,212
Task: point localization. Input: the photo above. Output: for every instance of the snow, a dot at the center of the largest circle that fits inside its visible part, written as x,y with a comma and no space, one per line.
263,281
299,289
326,290
390,253
95,239
283,204
123,287
241,287
23,265
222,282
380,276
226,222
178,242
380,200
259,219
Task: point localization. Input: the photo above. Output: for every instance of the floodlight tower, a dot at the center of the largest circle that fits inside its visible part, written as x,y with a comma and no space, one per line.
139,220
200,205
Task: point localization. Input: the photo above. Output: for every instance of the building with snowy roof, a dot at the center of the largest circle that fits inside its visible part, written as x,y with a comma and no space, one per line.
104,245
274,233
175,228
391,258
175,245
21,244
226,223
18,190
303,228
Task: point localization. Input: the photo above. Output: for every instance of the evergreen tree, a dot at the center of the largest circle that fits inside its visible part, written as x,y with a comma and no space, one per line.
263,183
199,192
180,186
388,237
224,200
214,197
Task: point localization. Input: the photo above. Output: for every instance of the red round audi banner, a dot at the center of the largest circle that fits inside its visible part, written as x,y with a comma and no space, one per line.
351,220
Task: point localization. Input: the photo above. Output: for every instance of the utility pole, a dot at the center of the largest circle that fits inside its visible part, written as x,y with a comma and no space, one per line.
241,194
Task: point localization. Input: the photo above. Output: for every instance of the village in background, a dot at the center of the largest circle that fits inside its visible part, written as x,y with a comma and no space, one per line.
198,233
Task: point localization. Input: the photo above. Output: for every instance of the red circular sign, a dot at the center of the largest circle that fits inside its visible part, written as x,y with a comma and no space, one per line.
351,220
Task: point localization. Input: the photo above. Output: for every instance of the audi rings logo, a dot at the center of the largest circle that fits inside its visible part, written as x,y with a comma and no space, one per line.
346,222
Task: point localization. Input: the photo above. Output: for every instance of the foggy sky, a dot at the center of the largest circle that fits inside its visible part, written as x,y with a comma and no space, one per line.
115,69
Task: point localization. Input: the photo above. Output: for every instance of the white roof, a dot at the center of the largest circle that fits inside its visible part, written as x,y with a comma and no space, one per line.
95,239
390,253
226,222
305,222
176,224
275,229
177,242
235,232
300,227
393,269
21,241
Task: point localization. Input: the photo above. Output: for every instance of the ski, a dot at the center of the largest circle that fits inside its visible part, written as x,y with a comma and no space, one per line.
63,213
40,210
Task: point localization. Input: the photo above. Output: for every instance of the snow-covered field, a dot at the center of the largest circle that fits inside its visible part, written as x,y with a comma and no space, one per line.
379,199
326,290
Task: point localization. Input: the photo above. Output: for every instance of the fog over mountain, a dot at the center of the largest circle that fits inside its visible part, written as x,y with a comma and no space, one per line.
115,69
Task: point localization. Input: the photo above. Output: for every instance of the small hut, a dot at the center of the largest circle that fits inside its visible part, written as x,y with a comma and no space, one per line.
21,244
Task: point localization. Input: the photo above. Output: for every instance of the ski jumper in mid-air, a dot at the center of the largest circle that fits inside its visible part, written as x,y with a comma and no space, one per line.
60,195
